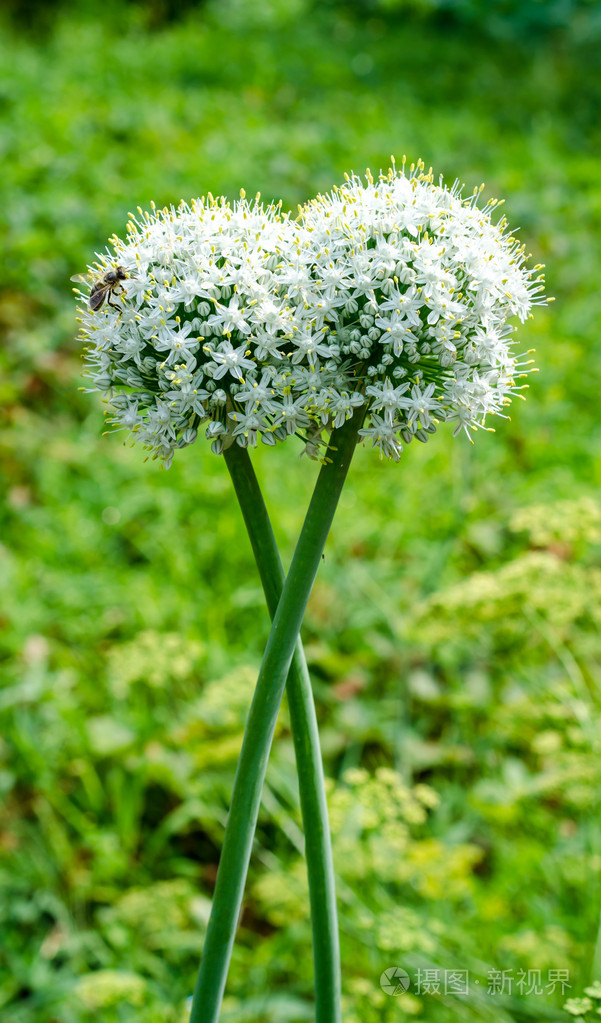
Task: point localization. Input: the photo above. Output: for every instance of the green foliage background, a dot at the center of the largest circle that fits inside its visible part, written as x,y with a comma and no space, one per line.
453,632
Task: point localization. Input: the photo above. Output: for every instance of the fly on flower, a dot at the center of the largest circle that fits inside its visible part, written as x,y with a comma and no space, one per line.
104,286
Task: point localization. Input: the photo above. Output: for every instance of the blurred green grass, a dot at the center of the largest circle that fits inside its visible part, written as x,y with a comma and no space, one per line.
453,632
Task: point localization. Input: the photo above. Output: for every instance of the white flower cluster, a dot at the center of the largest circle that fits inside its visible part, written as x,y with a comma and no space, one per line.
391,297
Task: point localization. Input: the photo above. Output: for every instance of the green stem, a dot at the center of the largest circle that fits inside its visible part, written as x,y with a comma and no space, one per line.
318,849
252,763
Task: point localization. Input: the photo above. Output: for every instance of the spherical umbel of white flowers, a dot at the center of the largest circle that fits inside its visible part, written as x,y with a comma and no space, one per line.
392,296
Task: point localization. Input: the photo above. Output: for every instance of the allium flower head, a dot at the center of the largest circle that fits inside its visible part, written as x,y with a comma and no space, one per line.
425,286
391,296
202,319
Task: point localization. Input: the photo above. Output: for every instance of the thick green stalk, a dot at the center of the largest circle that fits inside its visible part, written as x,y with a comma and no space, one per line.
305,733
260,726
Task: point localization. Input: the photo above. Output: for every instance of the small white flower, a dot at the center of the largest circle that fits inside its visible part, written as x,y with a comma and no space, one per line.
291,414
230,318
230,360
419,404
247,425
382,432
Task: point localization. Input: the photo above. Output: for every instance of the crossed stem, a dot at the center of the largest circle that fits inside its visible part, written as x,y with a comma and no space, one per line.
283,644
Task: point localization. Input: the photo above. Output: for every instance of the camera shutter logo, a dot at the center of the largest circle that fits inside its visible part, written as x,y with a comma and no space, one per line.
394,981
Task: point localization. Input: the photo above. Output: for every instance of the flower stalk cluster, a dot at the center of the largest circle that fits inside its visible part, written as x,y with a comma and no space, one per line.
392,295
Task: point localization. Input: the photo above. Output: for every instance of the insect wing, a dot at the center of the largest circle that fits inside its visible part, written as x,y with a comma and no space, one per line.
85,278
98,295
